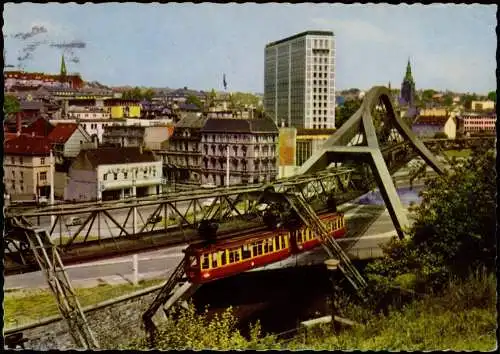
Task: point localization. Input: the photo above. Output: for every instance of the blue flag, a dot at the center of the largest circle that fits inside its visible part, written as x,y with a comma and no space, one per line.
224,82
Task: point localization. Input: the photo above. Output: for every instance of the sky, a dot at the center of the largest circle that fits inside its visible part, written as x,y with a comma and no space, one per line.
451,47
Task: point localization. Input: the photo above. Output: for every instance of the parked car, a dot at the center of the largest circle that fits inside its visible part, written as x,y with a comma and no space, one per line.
209,201
153,219
43,200
75,220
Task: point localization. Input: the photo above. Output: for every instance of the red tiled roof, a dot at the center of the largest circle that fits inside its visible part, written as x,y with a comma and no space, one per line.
117,155
62,132
431,120
40,127
27,145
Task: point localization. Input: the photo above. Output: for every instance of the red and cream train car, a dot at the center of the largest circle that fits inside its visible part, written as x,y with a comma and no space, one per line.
228,257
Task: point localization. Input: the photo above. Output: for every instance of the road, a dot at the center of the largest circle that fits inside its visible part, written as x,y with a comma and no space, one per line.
155,264
158,264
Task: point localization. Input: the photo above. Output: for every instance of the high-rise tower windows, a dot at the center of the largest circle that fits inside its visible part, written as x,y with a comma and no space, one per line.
289,65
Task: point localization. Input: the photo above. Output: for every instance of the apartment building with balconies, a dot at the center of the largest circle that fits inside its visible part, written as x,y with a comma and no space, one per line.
244,149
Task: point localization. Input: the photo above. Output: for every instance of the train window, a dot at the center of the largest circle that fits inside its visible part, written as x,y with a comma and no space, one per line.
204,261
271,245
193,261
223,257
257,248
277,242
245,252
299,236
266,246
234,255
214,260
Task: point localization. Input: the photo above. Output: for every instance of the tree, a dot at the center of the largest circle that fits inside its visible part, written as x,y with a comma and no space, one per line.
212,95
192,99
10,105
467,99
448,100
344,112
242,99
492,96
454,228
427,95
136,93
148,94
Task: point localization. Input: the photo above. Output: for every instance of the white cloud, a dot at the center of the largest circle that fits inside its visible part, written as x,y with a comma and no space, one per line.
355,30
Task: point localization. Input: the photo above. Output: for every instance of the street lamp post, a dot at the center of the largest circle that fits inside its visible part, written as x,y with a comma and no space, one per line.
332,266
227,166
134,195
52,173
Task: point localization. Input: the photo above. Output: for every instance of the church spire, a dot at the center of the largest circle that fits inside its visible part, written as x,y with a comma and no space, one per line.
408,76
408,87
63,66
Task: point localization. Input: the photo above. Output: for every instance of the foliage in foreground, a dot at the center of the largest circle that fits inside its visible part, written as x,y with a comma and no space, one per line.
462,317
185,329
453,233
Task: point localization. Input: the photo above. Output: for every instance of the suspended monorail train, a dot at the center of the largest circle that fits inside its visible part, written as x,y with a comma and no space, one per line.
223,258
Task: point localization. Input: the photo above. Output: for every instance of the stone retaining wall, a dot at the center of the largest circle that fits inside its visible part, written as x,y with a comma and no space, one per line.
113,326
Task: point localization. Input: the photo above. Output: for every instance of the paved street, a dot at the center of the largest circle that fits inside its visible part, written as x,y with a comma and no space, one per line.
116,270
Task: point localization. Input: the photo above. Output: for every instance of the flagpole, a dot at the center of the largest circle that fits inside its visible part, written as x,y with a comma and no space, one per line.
227,166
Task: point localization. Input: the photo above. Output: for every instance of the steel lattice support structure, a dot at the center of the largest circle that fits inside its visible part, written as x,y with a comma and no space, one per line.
372,131
50,263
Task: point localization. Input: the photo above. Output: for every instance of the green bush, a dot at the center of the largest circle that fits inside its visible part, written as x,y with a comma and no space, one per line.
185,329
461,317
440,135
453,233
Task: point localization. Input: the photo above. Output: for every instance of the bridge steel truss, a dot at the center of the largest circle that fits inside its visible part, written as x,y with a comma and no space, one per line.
167,214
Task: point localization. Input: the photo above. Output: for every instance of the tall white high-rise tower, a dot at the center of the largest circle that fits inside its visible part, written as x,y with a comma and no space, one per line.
299,80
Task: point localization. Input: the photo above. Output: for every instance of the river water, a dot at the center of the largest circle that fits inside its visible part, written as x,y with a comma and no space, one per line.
407,196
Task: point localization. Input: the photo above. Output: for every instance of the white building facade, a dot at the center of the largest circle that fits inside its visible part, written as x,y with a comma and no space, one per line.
114,173
299,80
129,179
